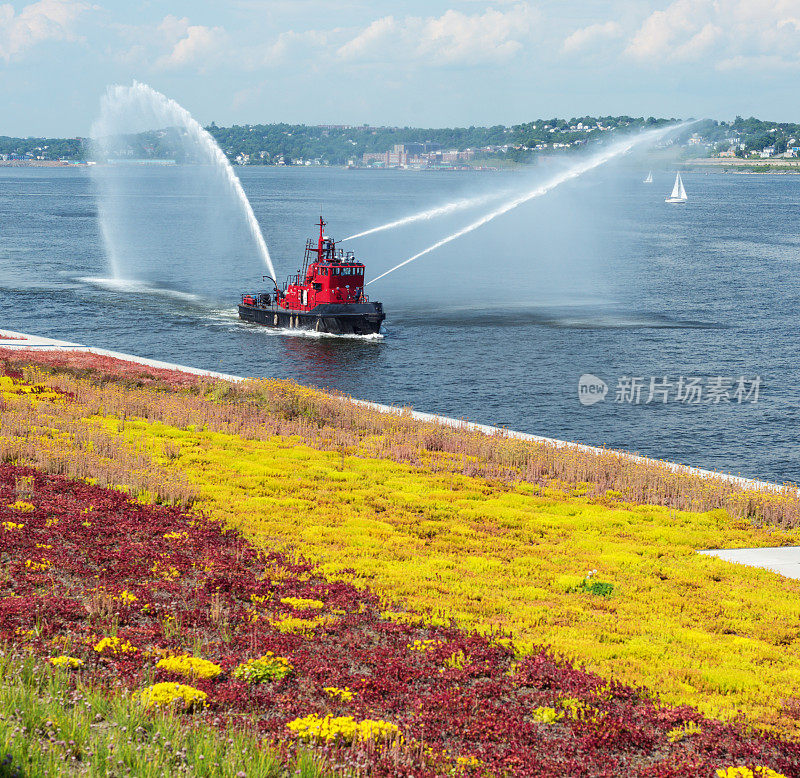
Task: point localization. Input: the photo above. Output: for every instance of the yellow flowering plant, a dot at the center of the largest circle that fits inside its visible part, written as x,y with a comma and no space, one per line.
423,645
335,693
38,566
746,772
690,728
299,626
189,666
546,715
65,662
176,536
301,603
268,667
171,695
126,597
114,645
344,728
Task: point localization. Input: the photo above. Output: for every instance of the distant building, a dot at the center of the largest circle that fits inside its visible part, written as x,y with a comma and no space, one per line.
375,158
404,154
398,156
414,149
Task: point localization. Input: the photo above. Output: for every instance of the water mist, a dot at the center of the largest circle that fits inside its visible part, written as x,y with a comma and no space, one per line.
576,169
188,224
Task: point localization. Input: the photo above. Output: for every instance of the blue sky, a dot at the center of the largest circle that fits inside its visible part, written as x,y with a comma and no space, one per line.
455,62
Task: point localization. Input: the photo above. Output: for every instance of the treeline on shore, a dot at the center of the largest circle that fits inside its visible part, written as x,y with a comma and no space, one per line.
268,144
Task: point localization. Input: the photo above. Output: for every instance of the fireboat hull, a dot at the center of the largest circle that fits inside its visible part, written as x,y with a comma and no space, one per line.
347,319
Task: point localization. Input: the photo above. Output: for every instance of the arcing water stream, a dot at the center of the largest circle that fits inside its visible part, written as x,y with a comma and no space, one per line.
432,213
580,167
129,109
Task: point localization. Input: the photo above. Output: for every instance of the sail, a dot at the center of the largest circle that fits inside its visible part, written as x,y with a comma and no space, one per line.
676,190
681,190
649,179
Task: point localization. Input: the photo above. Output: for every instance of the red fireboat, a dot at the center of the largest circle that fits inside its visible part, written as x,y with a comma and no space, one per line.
326,295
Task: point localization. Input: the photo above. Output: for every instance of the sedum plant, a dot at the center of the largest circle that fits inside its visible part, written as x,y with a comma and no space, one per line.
264,669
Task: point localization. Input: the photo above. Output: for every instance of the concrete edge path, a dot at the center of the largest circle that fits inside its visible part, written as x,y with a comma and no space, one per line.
782,560
23,341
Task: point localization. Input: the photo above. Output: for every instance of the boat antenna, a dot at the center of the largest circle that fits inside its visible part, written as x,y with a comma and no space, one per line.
321,235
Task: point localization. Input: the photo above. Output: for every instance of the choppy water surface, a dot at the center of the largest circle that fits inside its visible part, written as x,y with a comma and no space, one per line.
599,277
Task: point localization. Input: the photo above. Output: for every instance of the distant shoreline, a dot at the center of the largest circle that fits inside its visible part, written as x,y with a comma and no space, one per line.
167,162
40,163
729,165
745,166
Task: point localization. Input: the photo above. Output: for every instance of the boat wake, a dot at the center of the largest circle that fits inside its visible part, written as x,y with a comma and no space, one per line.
309,334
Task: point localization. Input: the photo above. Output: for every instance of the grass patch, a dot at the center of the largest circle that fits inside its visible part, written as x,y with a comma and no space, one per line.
51,725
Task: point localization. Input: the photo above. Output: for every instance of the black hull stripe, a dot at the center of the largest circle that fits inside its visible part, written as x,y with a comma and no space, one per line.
366,323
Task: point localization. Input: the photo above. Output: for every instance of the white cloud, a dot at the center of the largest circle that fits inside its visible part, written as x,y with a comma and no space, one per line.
291,45
455,38
589,36
171,44
36,23
191,44
761,62
171,28
730,33
494,36
662,31
371,40
700,43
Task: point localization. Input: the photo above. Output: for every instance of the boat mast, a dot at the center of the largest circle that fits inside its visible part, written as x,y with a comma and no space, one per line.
310,249
319,245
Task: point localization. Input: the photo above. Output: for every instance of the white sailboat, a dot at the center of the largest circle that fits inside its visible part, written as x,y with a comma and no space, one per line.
649,179
678,192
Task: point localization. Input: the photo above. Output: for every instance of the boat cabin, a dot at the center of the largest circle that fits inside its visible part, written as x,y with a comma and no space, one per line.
329,276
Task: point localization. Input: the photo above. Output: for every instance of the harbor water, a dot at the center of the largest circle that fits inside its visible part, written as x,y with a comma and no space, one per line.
687,314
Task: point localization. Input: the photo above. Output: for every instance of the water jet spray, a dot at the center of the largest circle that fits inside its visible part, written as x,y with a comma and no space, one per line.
143,101
431,213
578,169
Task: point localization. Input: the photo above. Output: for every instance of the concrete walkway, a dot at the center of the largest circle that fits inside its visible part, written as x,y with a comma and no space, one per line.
784,560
